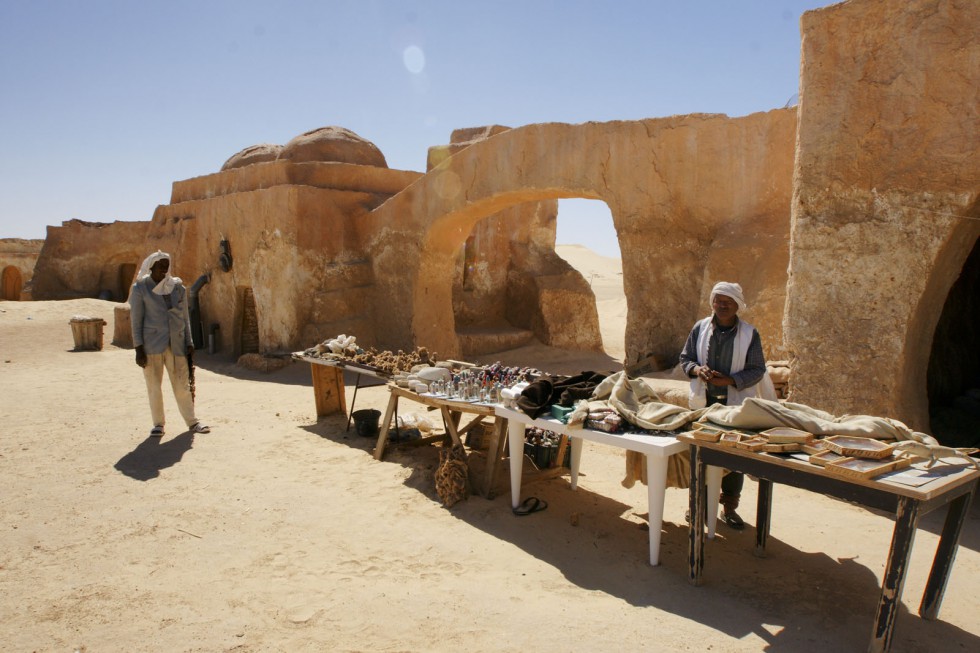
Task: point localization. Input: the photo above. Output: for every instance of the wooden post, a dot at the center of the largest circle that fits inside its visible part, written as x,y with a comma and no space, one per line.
328,390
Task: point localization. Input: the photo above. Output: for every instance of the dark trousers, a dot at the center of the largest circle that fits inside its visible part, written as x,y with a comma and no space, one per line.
732,482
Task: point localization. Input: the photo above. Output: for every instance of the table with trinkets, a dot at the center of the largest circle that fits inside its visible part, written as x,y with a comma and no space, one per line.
954,490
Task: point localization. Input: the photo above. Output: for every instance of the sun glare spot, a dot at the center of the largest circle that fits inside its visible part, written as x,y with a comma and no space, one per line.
414,59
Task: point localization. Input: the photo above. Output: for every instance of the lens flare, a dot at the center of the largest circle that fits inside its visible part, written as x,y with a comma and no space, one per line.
414,59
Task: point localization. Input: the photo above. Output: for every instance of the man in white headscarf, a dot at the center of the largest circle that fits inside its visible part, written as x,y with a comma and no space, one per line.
162,336
723,356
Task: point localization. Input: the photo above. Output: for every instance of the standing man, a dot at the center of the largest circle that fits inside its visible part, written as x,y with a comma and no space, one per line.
162,336
723,355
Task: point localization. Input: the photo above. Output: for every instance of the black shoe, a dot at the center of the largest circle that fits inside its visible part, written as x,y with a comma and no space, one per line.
733,520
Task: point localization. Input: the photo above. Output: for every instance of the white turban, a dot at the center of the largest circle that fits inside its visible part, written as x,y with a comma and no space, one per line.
732,290
166,286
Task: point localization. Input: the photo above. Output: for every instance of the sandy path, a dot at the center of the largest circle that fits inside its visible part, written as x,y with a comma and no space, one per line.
280,533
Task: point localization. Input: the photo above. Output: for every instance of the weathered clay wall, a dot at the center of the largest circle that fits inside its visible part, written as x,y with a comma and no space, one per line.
89,259
887,178
17,259
678,188
296,248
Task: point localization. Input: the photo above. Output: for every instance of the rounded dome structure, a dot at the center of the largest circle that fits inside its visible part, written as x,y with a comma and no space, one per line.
333,145
253,154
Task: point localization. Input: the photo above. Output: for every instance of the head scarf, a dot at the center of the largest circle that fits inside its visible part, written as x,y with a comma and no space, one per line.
166,285
732,290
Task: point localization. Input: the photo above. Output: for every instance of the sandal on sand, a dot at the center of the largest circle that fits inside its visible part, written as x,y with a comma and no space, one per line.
156,432
529,505
200,428
734,522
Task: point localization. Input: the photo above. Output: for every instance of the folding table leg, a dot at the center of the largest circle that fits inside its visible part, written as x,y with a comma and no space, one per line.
932,598
763,514
350,415
697,504
906,519
379,448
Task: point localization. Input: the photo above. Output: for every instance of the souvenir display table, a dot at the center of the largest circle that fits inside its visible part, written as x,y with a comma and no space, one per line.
328,384
954,489
656,448
451,411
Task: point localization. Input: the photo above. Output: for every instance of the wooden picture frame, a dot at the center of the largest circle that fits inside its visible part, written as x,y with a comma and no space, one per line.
814,447
857,447
866,468
751,444
730,439
784,447
823,458
786,434
705,436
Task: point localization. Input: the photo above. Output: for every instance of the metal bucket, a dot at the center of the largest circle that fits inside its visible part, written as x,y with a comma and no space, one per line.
366,422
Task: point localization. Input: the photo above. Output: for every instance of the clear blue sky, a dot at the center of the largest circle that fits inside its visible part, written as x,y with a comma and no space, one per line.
104,104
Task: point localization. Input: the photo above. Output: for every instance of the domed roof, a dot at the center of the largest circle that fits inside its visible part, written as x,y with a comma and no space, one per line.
333,144
253,154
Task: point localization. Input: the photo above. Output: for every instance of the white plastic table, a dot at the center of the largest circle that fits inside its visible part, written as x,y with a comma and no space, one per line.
656,448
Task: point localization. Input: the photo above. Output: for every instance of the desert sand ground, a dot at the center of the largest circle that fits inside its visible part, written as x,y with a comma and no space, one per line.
279,532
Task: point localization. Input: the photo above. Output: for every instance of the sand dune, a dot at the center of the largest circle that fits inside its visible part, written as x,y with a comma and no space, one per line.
605,276
278,532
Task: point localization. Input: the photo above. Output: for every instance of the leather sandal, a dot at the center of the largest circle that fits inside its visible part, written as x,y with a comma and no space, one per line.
733,521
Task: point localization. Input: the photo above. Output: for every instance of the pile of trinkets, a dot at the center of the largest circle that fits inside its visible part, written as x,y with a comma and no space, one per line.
482,384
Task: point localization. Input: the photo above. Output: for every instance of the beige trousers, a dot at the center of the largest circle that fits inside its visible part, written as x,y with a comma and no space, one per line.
179,375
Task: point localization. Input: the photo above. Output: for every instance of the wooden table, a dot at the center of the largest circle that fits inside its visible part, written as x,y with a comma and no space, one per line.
908,504
451,411
657,449
328,384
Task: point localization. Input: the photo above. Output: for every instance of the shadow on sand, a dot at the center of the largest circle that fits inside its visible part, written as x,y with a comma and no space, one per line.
151,455
792,599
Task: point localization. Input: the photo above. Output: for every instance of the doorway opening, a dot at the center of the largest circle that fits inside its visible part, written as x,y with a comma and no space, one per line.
12,283
249,340
586,239
127,274
953,379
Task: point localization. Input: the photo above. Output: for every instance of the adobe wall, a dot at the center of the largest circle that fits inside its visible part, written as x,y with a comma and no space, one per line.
17,259
298,248
89,259
692,197
885,206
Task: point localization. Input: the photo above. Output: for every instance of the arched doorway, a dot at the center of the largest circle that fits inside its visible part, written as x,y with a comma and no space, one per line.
12,282
954,364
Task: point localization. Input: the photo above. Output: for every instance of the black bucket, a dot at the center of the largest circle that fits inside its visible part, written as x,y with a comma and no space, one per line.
366,421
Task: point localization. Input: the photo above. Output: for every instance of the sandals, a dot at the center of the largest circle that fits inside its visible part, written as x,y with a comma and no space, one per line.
200,428
529,505
156,432
734,522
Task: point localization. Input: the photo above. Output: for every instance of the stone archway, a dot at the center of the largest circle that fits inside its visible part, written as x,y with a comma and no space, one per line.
670,184
12,283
